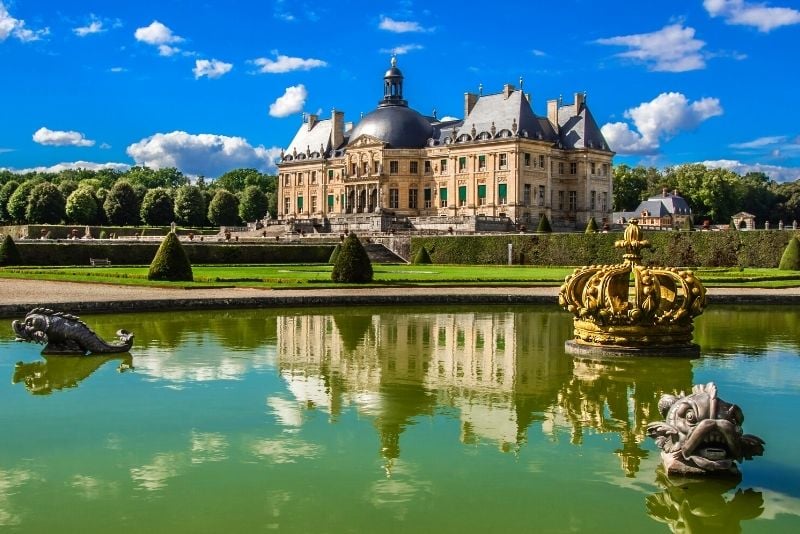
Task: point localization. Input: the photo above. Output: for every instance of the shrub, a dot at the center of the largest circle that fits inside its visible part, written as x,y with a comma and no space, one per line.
170,262
335,254
591,226
422,257
790,261
352,265
9,254
5,193
544,225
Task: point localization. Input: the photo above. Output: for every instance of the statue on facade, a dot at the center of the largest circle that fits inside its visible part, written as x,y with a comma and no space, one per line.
62,333
702,434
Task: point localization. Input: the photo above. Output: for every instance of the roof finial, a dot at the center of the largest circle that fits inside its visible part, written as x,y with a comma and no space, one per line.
480,89
520,82
434,113
394,60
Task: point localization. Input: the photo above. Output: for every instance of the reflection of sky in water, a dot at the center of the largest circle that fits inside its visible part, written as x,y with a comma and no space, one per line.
11,482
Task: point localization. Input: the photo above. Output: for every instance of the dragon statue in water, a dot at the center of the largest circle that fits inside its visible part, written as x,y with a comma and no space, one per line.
62,333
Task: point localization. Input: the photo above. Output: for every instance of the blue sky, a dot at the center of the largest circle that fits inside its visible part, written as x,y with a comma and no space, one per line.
209,86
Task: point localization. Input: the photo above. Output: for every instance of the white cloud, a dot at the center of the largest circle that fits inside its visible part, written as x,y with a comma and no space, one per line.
160,36
201,154
95,26
775,172
45,136
167,50
292,101
671,49
759,16
105,146
538,53
88,165
401,49
118,69
283,64
761,142
400,26
212,69
10,26
661,118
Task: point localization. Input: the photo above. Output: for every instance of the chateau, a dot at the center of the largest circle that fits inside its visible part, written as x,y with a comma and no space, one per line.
500,168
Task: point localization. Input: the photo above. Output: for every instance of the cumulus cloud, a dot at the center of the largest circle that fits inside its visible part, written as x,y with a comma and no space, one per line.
45,136
201,154
88,165
775,172
10,26
210,68
660,119
759,15
673,48
95,26
292,101
400,26
401,49
160,36
283,63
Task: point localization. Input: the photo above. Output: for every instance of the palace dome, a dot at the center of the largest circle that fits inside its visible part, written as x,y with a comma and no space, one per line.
399,126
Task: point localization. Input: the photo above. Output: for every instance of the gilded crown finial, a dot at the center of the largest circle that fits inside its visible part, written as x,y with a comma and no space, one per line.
633,243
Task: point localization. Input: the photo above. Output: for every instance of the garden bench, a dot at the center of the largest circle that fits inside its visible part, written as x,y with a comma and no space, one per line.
99,261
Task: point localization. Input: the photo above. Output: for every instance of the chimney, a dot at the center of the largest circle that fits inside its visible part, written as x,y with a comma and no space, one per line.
469,102
507,90
337,129
580,101
664,192
312,120
552,113
675,193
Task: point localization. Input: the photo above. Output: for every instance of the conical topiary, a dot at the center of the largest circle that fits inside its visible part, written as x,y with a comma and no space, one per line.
790,261
591,226
422,257
544,225
170,262
352,265
687,224
334,254
9,253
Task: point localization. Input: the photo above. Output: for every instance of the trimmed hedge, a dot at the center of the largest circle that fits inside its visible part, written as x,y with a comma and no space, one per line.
170,262
64,231
790,260
9,253
136,253
352,264
422,257
671,249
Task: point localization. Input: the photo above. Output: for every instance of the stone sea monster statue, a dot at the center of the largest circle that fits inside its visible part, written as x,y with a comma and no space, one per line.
702,434
62,333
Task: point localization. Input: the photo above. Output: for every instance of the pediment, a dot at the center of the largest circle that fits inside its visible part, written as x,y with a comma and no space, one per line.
365,141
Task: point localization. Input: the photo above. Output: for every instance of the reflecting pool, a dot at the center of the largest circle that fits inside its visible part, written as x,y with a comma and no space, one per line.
385,420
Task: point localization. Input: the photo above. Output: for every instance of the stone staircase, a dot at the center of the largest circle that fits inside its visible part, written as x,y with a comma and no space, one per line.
380,254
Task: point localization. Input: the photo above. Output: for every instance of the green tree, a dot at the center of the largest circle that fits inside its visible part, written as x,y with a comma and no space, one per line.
157,207
67,187
422,257
9,253
790,260
630,186
544,225
46,205
352,265
121,205
190,206
18,201
82,207
5,193
253,204
170,262
148,178
237,180
224,209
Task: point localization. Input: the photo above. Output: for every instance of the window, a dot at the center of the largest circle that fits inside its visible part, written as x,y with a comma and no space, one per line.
541,161
427,167
287,205
592,167
413,167
330,174
394,167
412,198
573,201
541,195
287,180
503,161
482,195
573,168
353,168
560,167
330,202
394,198
482,162
443,166
299,203
502,194
313,177
462,164
365,167
462,195
526,194
561,200
427,197
605,169
313,203
604,201
300,178
442,197
592,199
527,159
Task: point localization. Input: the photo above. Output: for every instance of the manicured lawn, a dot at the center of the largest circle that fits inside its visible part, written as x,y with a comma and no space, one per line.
318,276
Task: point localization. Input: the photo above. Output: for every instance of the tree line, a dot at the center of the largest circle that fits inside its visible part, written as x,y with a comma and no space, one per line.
140,195
712,194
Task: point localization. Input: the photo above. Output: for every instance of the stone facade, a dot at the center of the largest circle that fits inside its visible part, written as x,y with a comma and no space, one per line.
396,168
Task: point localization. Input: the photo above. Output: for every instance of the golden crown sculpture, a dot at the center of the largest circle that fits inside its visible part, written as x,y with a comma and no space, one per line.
655,315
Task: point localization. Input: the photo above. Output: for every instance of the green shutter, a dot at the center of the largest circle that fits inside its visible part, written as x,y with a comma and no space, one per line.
427,193
462,193
330,202
442,193
482,191
502,189
299,203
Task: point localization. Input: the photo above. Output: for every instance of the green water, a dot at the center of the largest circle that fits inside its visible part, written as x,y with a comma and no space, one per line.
385,420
